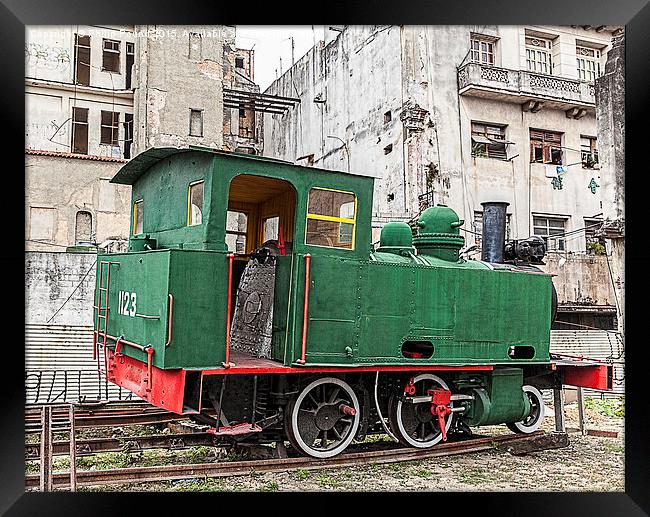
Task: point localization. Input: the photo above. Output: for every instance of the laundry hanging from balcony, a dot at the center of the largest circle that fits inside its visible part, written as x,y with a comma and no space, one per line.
554,171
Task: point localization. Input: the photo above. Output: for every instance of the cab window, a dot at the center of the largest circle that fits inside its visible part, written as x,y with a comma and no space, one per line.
195,203
137,217
270,227
331,218
236,229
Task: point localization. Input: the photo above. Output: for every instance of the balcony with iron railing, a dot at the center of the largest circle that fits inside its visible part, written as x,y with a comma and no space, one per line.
521,86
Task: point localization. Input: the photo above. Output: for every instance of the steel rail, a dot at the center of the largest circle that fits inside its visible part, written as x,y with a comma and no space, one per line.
240,468
91,446
32,424
132,410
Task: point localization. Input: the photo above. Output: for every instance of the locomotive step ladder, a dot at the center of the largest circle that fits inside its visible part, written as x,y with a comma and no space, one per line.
102,311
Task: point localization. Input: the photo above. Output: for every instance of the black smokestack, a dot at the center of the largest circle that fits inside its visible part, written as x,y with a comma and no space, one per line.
493,238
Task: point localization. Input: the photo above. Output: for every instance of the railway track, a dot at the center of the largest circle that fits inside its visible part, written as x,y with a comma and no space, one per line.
104,415
238,468
88,447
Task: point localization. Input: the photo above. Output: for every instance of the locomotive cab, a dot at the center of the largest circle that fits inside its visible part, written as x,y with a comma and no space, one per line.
192,209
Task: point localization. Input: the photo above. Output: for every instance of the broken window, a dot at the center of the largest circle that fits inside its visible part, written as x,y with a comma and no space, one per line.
128,134
331,217
588,63
477,227
196,122
82,60
110,128
387,117
80,130
388,149
239,62
195,203
482,50
588,151
130,58
137,216
538,55
489,140
246,123
546,147
83,227
111,56
552,230
196,44
236,226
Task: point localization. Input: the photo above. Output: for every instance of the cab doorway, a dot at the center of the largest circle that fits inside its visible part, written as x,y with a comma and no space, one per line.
260,226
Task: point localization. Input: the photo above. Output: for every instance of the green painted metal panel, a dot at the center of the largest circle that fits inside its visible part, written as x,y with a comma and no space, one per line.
281,317
334,299
137,300
501,400
163,191
198,282
163,187
387,308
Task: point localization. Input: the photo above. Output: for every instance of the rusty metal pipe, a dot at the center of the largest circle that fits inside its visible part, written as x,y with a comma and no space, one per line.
149,351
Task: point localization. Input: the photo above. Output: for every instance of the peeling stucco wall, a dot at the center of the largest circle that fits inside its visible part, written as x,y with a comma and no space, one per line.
240,134
50,92
60,187
581,279
348,85
178,69
52,278
610,96
346,89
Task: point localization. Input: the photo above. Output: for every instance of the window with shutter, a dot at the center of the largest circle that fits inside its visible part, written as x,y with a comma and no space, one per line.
489,140
546,147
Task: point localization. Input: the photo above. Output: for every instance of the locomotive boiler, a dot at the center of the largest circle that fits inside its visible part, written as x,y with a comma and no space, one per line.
253,300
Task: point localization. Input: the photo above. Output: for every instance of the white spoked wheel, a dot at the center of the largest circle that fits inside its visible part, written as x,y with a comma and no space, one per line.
531,423
413,423
323,420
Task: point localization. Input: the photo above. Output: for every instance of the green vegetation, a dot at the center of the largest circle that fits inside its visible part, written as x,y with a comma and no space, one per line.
608,407
198,485
614,448
423,472
271,486
327,481
596,248
303,474
473,476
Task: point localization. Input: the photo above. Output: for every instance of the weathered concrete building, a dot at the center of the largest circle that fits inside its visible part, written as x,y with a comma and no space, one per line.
78,133
459,115
242,124
610,104
96,96
184,76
